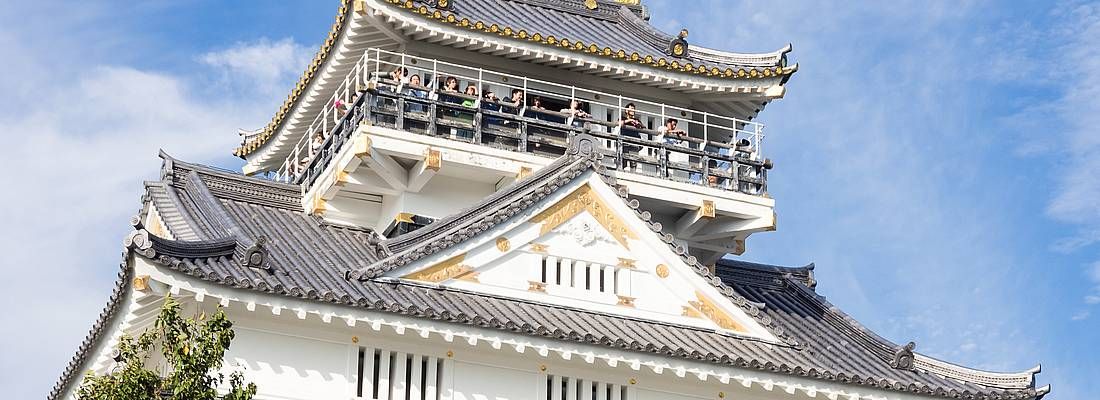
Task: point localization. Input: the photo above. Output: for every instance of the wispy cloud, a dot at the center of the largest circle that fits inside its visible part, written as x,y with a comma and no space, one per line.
262,65
81,149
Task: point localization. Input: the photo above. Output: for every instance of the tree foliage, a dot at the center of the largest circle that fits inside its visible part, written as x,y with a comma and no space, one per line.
192,350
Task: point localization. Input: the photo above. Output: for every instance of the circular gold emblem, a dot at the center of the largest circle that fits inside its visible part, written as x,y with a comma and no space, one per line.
662,270
591,4
678,49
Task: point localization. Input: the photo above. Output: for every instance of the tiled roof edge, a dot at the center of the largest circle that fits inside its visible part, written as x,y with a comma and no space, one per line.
186,267
885,349
747,71
768,274
233,185
107,317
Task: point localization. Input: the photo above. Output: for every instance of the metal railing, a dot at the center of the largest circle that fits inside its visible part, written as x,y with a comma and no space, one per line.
704,149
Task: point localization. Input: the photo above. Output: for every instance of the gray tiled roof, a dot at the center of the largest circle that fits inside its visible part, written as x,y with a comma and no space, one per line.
611,25
306,258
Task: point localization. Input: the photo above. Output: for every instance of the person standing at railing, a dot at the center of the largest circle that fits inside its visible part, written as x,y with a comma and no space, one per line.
718,166
516,101
471,90
316,143
675,136
398,75
629,126
416,89
576,112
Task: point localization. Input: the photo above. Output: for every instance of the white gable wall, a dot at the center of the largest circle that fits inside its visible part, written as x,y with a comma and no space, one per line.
580,264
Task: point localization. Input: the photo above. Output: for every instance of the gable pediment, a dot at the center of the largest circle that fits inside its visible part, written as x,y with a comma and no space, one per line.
582,246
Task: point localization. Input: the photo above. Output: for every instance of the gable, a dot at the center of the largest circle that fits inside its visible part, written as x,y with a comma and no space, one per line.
583,247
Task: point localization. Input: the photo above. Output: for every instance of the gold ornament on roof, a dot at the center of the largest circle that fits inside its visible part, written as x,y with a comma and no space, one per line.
591,4
450,268
713,312
585,199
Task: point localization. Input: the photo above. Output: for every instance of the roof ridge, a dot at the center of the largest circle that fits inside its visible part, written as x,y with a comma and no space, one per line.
233,185
886,349
805,274
211,209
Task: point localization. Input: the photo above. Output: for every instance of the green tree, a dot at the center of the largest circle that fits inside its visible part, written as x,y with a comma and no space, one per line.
192,348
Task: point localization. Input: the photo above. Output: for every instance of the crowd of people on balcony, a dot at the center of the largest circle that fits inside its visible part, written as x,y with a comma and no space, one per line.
630,124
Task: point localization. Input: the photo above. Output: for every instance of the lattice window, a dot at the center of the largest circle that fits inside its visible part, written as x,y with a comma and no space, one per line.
570,388
579,274
393,375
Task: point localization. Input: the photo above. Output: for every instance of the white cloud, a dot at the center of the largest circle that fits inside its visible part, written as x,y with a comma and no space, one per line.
1076,201
76,156
1080,316
263,64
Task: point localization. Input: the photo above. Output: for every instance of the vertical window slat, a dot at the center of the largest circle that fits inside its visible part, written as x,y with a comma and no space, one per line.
431,378
384,373
416,377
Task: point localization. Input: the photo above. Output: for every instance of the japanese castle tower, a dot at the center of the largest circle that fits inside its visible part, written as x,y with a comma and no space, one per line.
398,234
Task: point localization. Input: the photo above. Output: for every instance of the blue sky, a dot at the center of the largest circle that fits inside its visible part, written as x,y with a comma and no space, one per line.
938,161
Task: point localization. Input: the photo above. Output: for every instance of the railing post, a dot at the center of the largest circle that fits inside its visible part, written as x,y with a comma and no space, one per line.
705,179
619,151
759,145
706,124
400,120
662,159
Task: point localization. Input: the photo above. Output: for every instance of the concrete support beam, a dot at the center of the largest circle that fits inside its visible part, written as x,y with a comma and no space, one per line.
424,170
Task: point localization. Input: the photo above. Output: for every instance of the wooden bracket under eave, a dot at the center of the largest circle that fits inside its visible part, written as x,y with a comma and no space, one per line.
707,209
523,172
433,160
362,146
141,283
317,205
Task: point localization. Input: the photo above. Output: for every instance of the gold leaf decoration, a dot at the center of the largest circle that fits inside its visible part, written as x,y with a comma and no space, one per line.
584,199
710,309
450,268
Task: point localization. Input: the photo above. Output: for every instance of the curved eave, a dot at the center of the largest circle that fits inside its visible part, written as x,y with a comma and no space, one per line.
1004,380
426,24
317,77
1010,381
107,319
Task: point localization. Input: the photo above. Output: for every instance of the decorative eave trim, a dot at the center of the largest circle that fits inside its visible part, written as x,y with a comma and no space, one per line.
343,299
595,49
107,318
800,280
255,140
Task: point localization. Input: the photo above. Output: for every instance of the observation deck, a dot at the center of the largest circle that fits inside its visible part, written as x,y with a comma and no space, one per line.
397,150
